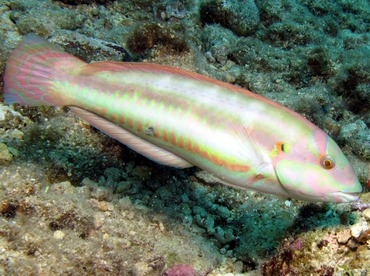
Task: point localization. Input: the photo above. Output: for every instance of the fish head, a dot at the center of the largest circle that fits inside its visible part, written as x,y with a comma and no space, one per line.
315,169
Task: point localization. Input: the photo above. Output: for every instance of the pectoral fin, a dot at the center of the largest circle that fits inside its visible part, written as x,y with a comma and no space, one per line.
250,150
134,142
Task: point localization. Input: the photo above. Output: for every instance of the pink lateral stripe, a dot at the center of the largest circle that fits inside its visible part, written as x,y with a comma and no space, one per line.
167,70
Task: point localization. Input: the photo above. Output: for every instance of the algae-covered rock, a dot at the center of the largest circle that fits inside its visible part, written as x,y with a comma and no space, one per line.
359,135
10,119
5,155
37,17
78,2
219,42
242,17
147,36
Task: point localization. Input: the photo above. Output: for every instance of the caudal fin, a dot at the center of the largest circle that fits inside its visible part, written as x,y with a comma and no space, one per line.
31,70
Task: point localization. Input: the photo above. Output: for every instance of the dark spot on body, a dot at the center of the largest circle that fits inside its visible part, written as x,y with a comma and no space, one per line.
149,131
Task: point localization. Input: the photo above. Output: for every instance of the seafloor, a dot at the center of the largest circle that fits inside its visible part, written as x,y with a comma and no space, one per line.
75,202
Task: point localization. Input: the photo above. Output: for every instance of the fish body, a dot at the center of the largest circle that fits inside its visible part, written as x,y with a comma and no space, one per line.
183,119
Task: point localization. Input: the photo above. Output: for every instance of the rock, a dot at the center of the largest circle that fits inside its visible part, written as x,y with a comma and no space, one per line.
223,212
241,17
98,220
123,186
142,172
344,236
352,244
13,134
13,151
64,187
113,174
5,155
181,269
366,214
102,193
141,268
59,235
105,206
358,228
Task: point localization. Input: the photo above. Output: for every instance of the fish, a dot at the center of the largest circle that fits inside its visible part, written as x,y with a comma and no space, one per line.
182,119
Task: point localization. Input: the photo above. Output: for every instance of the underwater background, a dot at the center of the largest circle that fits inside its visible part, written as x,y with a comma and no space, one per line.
76,202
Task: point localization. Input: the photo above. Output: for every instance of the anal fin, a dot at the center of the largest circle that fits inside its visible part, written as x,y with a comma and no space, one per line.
134,142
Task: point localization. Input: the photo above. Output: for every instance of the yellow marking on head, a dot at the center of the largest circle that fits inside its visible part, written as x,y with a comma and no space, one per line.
274,152
280,147
286,147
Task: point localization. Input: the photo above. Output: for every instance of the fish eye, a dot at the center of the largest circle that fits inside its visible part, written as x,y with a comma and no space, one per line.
327,162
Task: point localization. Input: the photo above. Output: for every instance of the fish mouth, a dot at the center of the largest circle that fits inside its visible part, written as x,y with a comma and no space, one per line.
344,196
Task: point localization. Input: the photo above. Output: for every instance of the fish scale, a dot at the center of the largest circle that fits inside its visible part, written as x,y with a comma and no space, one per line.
197,129
181,118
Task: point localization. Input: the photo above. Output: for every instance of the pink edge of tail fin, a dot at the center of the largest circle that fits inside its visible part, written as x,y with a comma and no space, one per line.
32,68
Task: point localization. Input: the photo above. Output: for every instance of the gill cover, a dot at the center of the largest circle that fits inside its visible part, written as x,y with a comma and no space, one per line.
315,170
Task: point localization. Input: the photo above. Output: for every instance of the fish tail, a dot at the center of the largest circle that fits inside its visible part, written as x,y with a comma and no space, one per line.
32,69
